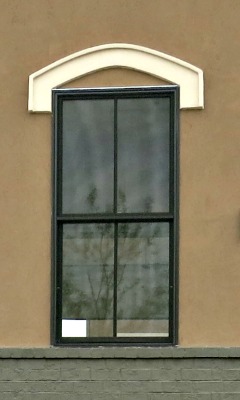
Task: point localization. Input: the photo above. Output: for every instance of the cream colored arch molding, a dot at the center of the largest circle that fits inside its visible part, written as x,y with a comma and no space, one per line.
152,62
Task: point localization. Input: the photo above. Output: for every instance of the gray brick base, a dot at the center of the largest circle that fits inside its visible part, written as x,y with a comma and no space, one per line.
120,374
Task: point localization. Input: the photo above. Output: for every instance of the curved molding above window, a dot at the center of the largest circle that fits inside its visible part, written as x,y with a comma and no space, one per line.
148,61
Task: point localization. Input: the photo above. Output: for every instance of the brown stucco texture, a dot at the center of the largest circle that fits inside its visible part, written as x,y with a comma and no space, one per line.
205,33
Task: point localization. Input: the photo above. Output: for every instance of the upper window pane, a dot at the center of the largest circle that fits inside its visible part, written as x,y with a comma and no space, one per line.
143,155
87,163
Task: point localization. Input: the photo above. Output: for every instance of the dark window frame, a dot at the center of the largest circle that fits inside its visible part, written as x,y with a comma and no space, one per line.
58,96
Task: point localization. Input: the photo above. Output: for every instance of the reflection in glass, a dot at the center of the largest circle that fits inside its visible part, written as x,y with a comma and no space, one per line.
87,175
88,276
143,155
143,279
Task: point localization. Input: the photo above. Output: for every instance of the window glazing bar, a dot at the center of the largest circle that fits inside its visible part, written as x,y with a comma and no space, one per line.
168,217
115,280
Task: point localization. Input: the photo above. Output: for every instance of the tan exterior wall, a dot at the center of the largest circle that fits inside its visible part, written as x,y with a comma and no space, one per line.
205,33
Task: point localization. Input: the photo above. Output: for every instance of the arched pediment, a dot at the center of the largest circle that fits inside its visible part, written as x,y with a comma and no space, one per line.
152,62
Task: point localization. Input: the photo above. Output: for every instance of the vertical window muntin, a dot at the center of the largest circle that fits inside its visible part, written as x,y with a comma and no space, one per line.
116,218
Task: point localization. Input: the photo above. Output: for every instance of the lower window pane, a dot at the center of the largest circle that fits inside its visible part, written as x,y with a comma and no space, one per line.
143,280
87,297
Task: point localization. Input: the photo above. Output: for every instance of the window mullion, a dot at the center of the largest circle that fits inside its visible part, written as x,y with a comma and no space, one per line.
115,184
116,224
115,280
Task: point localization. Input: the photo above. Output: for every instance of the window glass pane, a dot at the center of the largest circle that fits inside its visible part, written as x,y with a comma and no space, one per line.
88,279
143,155
143,279
88,137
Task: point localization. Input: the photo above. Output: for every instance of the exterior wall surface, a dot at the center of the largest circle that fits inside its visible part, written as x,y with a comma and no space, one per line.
182,374
205,33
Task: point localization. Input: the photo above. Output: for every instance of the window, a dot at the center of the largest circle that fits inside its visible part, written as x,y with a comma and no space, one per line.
115,215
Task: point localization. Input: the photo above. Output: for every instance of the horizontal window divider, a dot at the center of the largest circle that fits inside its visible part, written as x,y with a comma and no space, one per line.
115,93
115,218
118,341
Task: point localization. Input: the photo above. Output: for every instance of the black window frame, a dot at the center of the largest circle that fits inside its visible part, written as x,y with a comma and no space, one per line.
58,96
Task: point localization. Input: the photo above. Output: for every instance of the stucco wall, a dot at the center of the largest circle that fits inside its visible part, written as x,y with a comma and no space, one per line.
205,33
